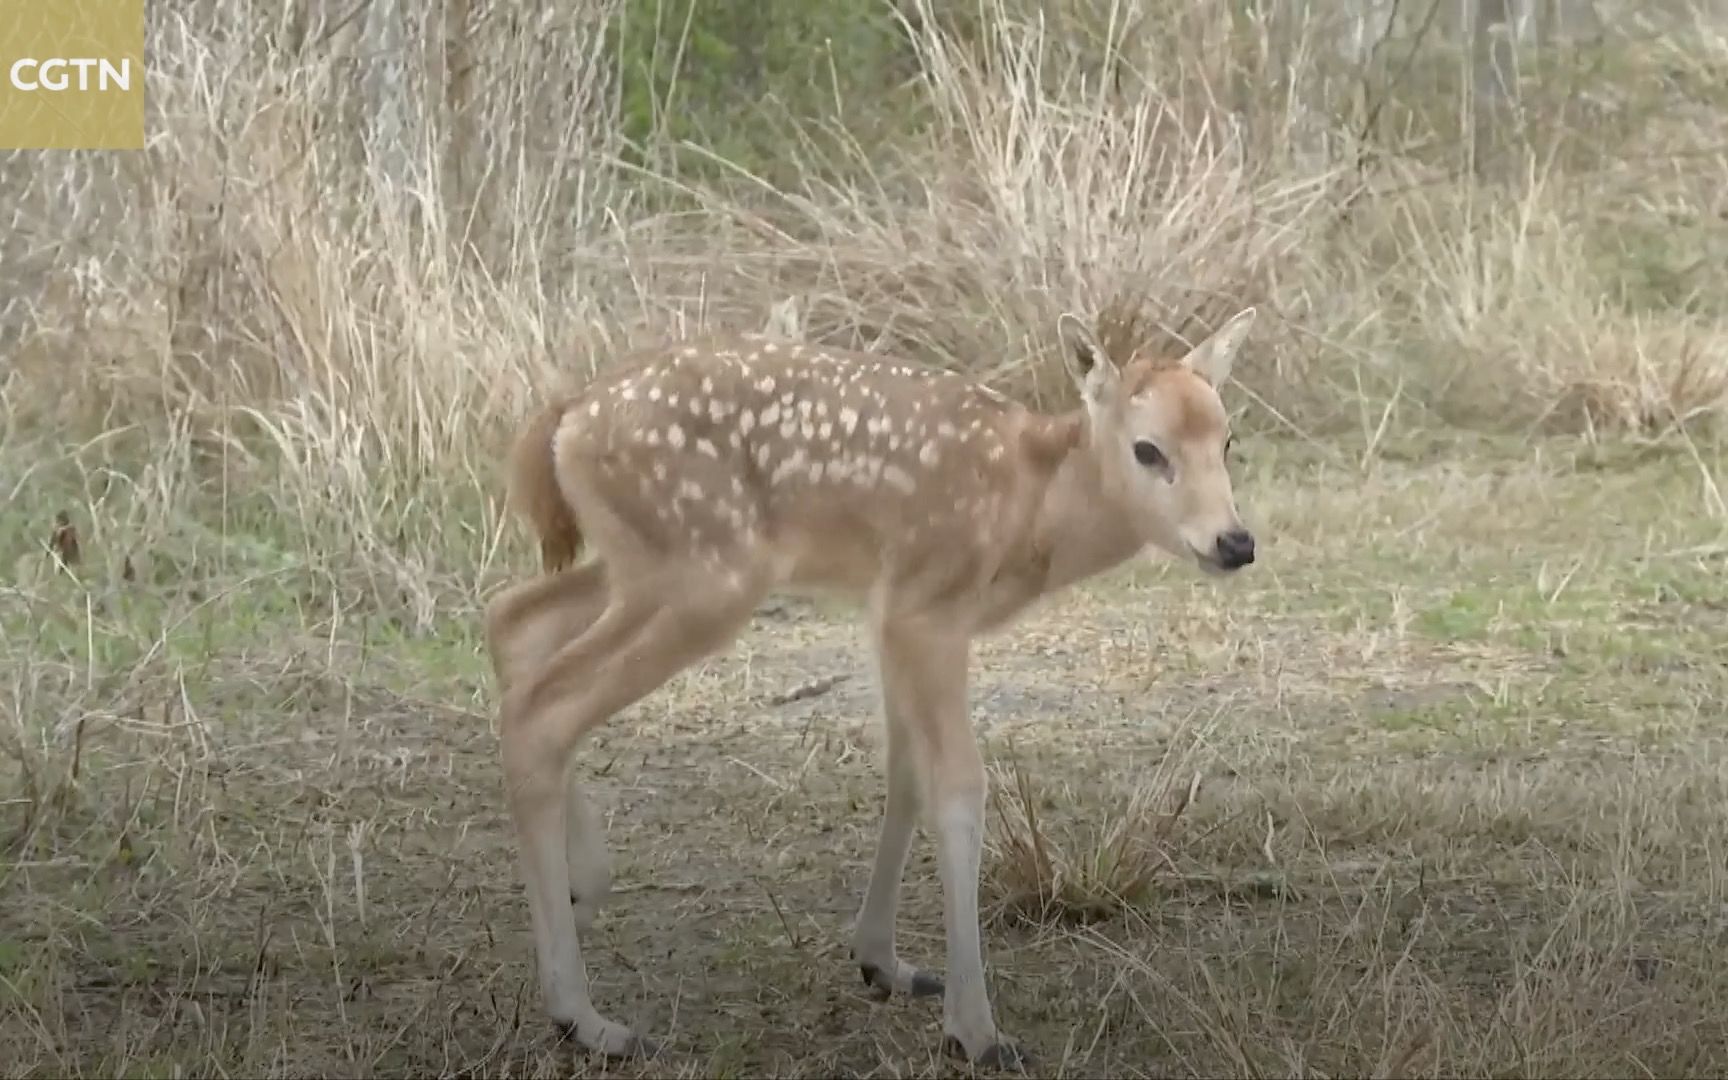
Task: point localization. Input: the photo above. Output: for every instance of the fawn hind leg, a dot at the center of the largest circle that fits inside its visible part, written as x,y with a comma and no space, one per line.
648,632
525,625
585,851
528,622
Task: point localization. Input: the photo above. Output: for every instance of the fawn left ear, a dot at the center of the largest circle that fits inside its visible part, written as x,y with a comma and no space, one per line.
1088,364
1212,358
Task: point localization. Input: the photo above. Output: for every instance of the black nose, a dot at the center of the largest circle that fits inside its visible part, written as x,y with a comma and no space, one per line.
1235,549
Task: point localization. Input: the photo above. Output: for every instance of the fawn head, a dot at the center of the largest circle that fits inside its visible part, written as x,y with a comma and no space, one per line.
1159,435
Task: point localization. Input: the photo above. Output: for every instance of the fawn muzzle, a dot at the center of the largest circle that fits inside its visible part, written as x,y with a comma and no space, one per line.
1235,549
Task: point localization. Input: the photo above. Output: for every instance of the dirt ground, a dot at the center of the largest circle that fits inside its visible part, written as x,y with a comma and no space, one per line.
1436,788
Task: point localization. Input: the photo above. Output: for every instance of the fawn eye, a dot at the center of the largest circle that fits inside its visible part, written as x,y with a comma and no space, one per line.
1148,455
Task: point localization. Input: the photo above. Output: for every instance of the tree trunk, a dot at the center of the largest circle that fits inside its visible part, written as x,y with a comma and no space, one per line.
393,127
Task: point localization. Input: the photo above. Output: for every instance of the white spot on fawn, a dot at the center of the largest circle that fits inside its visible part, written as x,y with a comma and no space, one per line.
675,436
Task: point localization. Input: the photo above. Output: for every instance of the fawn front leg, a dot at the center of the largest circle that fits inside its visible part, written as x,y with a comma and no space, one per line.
928,661
873,933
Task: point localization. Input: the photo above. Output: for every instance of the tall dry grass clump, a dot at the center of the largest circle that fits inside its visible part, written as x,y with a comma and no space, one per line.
288,241
314,291
1565,271
1093,866
1041,182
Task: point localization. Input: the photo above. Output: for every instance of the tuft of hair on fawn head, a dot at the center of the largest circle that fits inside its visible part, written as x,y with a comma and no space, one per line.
1161,439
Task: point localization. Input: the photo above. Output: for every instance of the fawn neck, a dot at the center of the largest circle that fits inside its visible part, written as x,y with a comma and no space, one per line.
1075,530
1078,524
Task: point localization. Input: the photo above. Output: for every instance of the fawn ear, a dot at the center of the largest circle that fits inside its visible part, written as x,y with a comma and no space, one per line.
1212,358
1088,364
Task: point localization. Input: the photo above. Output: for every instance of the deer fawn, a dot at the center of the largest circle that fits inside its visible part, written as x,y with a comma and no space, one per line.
702,477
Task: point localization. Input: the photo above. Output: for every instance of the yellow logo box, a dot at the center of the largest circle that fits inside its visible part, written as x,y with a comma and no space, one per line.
72,74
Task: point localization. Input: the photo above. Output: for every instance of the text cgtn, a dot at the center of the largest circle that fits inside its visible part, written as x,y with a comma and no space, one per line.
70,73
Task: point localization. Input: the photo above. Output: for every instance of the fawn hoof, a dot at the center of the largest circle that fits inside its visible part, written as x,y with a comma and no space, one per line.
901,978
927,984
908,980
1001,1054
615,1042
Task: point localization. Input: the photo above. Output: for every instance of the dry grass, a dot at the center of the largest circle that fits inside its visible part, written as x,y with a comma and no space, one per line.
1459,807
1115,862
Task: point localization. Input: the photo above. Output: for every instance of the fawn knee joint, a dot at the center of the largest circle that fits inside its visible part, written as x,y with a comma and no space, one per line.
513,709
585,909
499,614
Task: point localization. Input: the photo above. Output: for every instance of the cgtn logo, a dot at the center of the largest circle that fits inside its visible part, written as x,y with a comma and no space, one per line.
72,75
58,74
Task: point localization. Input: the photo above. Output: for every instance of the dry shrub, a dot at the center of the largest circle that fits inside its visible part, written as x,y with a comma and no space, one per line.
1101,863
1641,375
1500,313
1031,192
